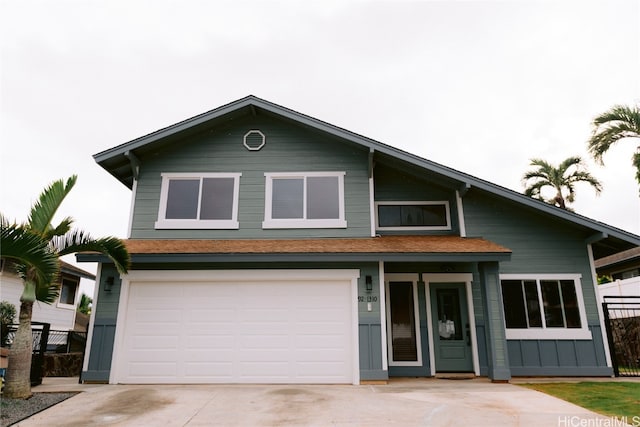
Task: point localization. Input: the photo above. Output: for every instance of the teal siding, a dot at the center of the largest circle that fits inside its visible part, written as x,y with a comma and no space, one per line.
566,357
288,149
106,312
395,185
496,345
540,245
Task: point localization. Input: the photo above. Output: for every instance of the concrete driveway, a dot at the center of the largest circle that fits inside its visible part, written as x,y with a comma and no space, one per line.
402,402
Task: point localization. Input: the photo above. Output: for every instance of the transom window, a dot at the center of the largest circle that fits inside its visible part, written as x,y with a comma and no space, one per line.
304,200
543,307
413,215
199,201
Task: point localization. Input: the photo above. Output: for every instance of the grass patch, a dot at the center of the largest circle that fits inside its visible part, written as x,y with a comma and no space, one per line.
617,399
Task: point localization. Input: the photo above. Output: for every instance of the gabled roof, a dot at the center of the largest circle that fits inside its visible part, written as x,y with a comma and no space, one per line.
121,161
65,268
71,269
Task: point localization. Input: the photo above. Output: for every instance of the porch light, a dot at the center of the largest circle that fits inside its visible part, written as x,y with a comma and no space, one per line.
108,284
369,283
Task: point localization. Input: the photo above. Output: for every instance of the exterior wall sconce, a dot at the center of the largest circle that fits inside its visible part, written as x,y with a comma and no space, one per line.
368,280
108,284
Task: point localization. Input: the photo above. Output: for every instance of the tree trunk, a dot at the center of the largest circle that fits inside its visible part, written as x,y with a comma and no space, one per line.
18,381
560,201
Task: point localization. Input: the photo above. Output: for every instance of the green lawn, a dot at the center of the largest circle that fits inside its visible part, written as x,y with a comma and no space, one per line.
619,399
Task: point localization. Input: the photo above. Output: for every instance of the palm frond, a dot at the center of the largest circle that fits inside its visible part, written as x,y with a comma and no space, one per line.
584,176
60,229
568,162
619,122
43,211
47,293
534,189
620,113
535,174
20,244
79,241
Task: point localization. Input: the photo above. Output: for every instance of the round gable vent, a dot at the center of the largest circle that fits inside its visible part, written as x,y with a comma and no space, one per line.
254,140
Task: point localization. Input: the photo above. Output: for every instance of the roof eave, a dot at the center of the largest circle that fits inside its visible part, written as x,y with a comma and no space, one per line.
303,257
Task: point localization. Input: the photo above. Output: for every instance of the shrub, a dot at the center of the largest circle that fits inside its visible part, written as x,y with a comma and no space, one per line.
7,317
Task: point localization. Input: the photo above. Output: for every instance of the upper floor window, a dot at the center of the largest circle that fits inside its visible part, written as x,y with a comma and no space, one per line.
208,200
413,215
543,307
304,200
68,293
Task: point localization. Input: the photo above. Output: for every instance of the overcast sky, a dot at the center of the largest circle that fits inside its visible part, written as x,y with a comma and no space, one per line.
479,86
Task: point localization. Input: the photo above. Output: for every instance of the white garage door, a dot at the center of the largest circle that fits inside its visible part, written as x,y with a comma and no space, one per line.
238,327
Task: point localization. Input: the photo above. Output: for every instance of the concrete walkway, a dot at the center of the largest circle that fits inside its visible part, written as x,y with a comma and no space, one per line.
402,402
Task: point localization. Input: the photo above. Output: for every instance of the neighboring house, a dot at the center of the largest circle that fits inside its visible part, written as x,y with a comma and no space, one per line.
271,247
620,266
61,314
624,269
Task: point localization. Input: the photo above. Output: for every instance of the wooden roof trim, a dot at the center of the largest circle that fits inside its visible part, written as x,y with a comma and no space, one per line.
387,244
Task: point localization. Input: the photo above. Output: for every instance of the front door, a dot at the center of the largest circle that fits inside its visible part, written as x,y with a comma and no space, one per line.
451,334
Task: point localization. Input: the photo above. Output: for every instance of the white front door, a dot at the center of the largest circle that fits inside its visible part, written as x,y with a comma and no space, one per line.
238,327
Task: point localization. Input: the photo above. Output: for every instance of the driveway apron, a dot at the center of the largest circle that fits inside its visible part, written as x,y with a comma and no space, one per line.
402,402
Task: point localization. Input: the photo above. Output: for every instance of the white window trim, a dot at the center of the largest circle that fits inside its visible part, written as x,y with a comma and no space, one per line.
549,333
415,203
403,277
269,222
163,223
463,227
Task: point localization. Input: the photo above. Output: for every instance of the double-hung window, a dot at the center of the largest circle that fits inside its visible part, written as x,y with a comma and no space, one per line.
304,200
543,306
199,201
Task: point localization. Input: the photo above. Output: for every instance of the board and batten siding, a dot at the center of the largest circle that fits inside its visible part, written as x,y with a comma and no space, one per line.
541,245
288,149
104,327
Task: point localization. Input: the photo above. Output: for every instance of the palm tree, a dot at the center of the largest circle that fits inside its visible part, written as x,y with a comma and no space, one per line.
619,122
565,176
84,305
60,240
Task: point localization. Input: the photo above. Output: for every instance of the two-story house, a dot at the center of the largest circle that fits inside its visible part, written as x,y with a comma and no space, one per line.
272,247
